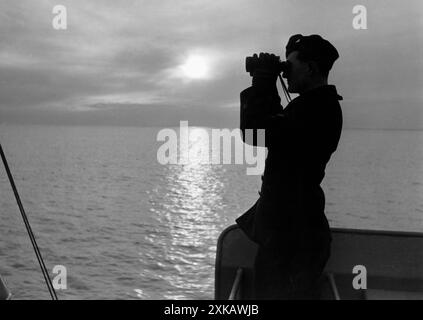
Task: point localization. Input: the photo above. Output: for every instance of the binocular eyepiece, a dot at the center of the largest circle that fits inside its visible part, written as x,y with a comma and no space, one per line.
268,62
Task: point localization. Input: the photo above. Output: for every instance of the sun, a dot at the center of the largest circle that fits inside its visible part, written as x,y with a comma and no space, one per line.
195,67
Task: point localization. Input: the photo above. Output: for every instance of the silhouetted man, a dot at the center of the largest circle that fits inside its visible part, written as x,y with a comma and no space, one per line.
288,220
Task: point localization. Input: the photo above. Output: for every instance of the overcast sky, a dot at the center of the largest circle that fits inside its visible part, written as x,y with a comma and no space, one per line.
130,62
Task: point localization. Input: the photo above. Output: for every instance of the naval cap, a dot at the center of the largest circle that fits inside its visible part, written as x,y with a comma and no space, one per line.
315,48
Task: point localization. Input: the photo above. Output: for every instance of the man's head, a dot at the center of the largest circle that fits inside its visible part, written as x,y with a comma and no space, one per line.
310,60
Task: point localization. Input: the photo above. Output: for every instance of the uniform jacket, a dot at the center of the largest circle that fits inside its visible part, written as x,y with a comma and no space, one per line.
300,140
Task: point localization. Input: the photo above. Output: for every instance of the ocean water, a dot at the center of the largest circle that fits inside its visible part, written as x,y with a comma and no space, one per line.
127,227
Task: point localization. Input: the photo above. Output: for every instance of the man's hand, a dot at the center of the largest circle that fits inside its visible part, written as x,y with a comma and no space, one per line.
265,76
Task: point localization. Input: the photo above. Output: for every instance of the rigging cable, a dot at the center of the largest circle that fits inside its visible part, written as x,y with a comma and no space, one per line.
29,229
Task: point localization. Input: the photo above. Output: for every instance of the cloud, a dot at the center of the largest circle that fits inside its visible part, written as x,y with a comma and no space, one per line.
122,56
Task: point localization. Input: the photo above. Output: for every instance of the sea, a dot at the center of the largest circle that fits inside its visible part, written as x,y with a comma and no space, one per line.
126,226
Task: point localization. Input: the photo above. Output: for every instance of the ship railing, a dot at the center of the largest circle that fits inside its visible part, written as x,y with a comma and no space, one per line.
4,291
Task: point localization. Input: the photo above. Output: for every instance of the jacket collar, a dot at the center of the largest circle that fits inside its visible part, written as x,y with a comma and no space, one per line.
322,91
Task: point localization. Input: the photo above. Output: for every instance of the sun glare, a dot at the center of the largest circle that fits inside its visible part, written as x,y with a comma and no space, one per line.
195,67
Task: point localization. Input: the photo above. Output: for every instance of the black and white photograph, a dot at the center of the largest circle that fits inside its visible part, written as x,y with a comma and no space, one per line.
211,155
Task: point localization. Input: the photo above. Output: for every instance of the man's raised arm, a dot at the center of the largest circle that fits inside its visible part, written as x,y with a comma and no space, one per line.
261,110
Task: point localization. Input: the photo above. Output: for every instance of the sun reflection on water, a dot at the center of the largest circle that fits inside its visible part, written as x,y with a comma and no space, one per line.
193,195
191,202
